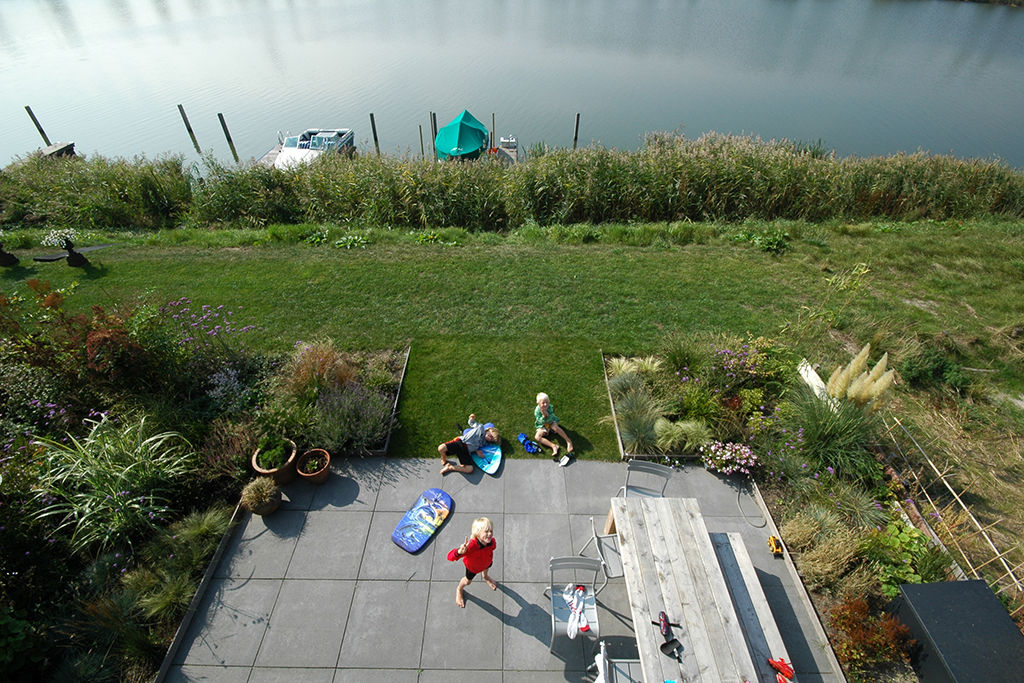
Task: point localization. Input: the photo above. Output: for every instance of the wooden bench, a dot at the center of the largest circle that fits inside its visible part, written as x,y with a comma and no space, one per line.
762,634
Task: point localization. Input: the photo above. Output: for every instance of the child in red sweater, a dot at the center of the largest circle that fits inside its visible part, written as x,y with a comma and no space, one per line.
477,554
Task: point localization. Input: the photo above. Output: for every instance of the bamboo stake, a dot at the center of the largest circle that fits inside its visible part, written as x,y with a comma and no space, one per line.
967,510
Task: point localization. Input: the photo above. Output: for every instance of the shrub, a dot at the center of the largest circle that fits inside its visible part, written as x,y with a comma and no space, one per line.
899,551
931,368
350,419
865,639
313,368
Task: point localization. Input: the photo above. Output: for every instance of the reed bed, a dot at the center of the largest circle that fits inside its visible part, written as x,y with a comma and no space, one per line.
671,178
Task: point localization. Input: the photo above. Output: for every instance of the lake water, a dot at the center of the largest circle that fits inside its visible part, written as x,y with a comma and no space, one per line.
864,76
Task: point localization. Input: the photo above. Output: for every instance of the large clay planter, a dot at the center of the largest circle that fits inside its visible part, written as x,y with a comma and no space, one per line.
283,474
320,475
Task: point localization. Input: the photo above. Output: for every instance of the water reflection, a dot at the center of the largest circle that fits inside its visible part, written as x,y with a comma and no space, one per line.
867,77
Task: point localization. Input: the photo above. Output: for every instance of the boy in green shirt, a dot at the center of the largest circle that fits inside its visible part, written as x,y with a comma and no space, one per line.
547,426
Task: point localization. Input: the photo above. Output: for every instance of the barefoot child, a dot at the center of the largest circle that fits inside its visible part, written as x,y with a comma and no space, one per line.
477,554
462,447
547,426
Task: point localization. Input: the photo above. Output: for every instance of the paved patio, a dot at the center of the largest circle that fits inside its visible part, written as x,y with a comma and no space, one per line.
318,592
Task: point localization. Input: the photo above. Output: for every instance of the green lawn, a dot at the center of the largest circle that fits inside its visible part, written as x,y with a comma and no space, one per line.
494,320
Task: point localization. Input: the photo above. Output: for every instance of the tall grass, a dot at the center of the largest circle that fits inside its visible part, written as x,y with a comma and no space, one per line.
140,194
670,179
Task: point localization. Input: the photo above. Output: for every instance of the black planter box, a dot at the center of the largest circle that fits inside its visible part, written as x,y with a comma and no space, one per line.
963,632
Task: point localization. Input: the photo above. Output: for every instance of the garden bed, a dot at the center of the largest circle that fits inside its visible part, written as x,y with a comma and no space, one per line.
740,407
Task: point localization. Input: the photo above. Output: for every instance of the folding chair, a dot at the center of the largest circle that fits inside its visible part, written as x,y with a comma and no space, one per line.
568,570
607,548
617,670
644,478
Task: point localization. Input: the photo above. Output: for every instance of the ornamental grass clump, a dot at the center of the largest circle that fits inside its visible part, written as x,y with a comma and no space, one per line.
728,458
114,484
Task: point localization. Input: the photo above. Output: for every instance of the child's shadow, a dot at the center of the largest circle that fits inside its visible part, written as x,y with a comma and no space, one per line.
532,619
580,443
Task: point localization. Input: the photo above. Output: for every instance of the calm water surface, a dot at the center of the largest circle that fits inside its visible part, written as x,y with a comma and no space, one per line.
864,76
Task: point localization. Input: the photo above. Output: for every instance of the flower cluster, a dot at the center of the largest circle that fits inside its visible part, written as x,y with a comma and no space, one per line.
199,326
55,238
728,458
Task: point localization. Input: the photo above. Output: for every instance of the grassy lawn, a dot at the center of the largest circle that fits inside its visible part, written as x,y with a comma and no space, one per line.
492,320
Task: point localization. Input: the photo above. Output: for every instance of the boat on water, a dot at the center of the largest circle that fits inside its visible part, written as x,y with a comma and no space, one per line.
293,150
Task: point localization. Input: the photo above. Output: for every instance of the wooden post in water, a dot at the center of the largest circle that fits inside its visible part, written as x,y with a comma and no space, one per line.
188,127
231,143
373,127
576,131
423,153
493,138
38,127
433,135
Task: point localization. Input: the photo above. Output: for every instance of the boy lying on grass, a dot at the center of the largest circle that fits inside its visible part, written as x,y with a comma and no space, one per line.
462,447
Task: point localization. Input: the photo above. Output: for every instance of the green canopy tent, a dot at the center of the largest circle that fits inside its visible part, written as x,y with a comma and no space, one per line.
463,138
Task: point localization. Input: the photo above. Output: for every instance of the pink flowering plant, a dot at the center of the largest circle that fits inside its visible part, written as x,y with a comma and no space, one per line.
728,458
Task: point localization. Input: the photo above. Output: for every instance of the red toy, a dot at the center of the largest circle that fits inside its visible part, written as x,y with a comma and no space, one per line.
783,667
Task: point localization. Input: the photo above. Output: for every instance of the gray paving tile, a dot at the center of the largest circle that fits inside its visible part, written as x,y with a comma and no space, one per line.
261,547
221,674
613,611
306,627
452,534
404,479
353,484
383,559
531,540
535,487
331,545
290,675
298,494
376,675
527,632
591,485
230,623
478,626
385,625
472,676
476,493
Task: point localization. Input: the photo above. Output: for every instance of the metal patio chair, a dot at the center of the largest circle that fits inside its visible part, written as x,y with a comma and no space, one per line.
645,478
607,547
575,571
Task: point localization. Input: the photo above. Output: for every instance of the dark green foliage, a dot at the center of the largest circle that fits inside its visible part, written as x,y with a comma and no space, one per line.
931,368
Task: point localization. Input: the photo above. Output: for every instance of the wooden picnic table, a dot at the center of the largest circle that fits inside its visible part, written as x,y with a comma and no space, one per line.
670,564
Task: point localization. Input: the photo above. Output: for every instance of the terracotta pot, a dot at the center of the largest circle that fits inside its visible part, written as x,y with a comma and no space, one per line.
283,474
319,476
269,506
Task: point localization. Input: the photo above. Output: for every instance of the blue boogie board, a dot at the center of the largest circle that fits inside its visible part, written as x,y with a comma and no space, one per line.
492,455
422,520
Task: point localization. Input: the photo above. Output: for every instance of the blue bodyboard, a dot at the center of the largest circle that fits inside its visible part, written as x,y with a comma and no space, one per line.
492,455
422,520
